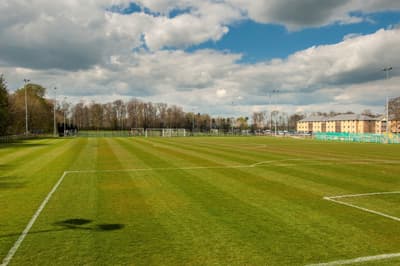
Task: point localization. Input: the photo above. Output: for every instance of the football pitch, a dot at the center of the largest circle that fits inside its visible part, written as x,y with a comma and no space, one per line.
199,201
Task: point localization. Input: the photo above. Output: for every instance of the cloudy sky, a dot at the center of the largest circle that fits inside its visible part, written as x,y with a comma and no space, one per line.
223,57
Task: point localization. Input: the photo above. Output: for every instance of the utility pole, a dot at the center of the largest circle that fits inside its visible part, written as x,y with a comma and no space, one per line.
387,69
26,106
54,117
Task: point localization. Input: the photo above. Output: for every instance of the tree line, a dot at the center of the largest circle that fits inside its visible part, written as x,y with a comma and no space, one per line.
118,115
13,106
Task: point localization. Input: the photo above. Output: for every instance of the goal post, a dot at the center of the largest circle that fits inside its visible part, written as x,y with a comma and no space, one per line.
174,132
137,132
165,132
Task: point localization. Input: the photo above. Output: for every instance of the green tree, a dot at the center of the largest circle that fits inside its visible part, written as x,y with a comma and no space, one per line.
40,110
4,109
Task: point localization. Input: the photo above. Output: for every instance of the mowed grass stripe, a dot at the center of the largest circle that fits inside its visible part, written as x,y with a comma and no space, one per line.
226,172
333,180
176,230
192,229
113,197
254,155
161,156
39,179
197,156
309,149
218,151
325,218
31,149
181,157
338,175
353,230
152,237
77,198
271,214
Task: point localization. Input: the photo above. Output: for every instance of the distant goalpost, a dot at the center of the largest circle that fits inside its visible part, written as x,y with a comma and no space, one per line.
159,132
135,132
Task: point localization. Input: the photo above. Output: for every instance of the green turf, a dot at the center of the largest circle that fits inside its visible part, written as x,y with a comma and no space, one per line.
201,201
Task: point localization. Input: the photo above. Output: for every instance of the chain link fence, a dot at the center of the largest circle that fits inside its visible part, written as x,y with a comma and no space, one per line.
358,137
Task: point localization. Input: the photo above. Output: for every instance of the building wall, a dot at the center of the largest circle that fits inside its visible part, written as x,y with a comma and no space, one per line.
317,127
349,126
302,127
361,127
333,126
366,127
380,127
395,126
330,126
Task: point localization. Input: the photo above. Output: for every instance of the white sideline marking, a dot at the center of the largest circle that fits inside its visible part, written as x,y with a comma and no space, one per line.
21,238
358,260
334,199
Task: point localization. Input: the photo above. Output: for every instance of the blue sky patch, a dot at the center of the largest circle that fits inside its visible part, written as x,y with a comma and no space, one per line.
260,42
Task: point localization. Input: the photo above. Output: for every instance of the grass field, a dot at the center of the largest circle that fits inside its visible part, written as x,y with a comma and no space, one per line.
175,201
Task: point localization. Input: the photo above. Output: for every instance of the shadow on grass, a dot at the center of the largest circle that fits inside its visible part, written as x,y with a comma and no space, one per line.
77,223
74,224
21,144
109,227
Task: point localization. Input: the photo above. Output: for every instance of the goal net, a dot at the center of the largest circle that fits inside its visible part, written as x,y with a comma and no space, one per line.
137,132
165,132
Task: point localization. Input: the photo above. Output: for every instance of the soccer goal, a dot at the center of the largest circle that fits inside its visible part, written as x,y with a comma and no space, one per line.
137,132
165,132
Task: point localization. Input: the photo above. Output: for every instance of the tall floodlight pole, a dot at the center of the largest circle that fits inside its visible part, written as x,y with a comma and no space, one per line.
193,121
387,69
54,112
26,106
65,101
276,92
233,119
270,113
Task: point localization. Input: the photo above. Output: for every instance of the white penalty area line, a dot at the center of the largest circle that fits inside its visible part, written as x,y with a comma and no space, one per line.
28,227
21,238
335,199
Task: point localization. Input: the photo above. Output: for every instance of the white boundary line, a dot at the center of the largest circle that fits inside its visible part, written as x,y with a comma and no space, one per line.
358,260
28,227
363,194
24,233
335,199
21,238
367,258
